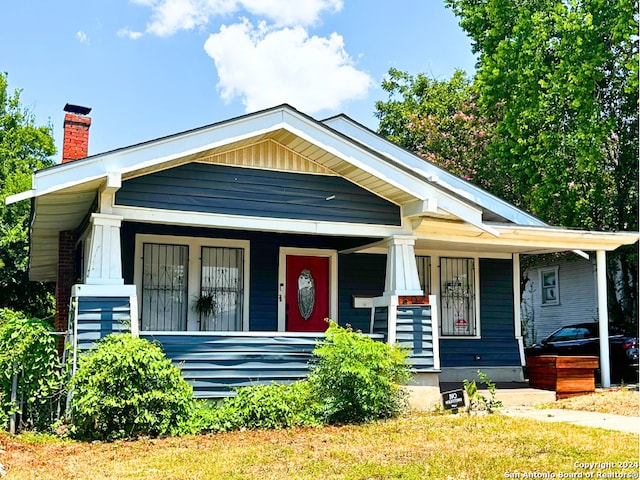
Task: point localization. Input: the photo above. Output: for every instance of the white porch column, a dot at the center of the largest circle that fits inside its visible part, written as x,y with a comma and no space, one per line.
603,318
402,271
104,260
401,277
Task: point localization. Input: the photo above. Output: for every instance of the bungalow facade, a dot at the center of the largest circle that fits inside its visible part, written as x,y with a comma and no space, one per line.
232,243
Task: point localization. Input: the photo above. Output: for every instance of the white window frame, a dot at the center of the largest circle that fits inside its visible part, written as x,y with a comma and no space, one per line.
476,286
282,279
195,245
544,289
435,284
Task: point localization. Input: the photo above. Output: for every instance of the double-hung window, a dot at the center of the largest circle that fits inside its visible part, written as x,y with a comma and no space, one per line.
191,284
549,286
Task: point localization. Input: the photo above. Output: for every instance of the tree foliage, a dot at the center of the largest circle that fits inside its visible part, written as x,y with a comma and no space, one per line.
555,96
440,121
561,80
24,148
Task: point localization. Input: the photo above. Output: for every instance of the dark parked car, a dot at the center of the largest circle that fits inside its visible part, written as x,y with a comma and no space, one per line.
583,339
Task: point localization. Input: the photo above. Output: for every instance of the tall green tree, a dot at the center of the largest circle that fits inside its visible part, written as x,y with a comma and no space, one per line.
440,121
560,79
24,148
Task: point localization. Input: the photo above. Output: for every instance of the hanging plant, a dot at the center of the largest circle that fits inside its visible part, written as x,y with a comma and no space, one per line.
205,304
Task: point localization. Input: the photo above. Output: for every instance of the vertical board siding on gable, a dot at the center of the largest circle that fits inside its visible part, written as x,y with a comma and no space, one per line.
198,187
100,316
497,345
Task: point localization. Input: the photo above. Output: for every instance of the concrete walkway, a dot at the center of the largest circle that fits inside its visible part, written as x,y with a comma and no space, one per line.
607,421
519,400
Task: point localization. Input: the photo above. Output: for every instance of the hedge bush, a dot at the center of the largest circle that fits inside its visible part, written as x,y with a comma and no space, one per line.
28,351
125,387
269,406
357,379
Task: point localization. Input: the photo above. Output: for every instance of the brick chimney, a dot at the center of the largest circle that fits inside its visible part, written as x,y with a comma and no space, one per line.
76,133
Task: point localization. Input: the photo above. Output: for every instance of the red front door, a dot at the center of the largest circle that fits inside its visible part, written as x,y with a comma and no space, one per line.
307,294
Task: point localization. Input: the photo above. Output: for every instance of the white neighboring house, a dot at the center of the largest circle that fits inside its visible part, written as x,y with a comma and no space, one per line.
559,292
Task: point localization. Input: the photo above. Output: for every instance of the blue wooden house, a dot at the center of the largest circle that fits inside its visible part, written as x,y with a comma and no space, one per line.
230,244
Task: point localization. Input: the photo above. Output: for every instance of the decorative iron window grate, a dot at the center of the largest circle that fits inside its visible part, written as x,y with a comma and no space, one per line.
164,287
457,297
222,281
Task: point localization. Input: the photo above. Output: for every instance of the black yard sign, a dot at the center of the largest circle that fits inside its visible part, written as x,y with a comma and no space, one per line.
453,400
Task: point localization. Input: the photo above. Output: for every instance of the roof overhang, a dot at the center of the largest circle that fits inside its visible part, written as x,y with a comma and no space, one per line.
458,236
446,213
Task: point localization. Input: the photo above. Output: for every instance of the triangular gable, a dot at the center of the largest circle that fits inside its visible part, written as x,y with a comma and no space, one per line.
388,178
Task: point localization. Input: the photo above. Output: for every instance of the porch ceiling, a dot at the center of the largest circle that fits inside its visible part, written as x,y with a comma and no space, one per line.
56,213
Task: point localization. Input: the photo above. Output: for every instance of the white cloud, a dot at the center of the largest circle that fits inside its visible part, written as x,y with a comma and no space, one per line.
281,12
82,37
170,16
126,32
265,67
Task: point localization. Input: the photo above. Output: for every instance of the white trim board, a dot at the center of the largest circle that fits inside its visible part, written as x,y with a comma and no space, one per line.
282,279
194,244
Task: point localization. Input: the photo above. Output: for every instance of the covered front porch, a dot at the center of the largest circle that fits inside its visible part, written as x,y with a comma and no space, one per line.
365,291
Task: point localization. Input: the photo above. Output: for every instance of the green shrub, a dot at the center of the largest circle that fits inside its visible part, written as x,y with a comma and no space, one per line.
271,406
126,387
358,379
28,351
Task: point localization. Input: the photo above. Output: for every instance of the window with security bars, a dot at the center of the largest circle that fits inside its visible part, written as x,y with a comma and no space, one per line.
457,297
222,288
164,287
424,273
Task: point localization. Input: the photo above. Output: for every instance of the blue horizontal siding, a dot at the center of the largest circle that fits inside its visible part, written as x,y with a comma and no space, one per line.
414,331
359,275
99,317
216,364
198,187
497,345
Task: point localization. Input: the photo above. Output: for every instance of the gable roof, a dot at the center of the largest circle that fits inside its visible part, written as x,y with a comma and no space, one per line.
63,195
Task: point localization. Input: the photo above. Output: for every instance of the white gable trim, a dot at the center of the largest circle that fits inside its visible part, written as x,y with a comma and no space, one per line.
433,173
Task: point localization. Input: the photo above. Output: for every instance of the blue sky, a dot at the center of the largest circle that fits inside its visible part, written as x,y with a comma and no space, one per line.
150,68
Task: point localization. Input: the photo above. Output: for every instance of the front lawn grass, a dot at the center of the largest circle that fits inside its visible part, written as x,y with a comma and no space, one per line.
418,446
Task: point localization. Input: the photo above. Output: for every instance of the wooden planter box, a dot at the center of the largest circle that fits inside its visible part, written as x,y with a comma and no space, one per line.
567,376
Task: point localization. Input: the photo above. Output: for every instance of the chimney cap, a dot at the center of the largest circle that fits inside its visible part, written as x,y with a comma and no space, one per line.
69,107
